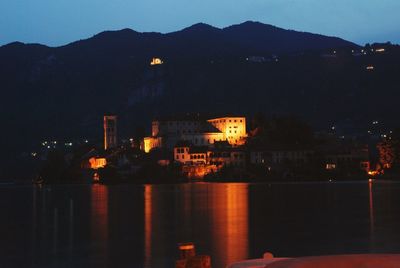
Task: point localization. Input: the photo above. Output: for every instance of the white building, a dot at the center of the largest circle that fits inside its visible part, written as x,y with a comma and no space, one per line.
200,132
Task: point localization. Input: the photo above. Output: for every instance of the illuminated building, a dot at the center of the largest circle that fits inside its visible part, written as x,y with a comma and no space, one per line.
184,153
93,160
198,161
330,166
198,131
356,158
110,132
150,143
233,128
156,61
96,163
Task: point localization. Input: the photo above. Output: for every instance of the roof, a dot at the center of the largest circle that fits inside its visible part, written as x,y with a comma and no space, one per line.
222,144
182,143
198,149
195,117
181,117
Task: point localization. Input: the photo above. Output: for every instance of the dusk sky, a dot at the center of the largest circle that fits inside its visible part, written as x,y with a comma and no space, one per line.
58,22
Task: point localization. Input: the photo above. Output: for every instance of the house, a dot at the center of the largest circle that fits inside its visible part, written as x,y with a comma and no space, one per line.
198,161
347,158
276,156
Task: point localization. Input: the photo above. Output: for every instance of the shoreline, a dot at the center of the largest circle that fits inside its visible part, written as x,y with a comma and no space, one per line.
220,181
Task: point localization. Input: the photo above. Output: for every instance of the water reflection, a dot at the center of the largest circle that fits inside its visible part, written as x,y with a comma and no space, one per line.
141,225
99,219
229,204
147,224
202,213
371,213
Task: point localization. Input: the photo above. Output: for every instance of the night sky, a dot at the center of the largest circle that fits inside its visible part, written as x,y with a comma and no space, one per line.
57,22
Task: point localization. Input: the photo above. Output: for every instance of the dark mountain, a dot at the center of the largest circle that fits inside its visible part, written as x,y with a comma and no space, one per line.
260,37
61,93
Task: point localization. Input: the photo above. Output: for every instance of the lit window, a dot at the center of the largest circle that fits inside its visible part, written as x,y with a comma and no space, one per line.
330,166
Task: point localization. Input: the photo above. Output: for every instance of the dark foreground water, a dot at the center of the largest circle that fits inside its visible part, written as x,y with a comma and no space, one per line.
140,226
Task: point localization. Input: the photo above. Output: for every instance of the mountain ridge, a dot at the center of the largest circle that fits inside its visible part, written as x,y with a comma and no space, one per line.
193,28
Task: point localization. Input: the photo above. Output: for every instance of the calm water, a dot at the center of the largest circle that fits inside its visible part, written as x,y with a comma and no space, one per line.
140,226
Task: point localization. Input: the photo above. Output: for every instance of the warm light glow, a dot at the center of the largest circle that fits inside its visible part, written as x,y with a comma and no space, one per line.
96,163
96,177
149,143
380,50
186,247
373,173
110,132
156,61
147,224
370,68
99,216
330,166
230,221
233,128
371,210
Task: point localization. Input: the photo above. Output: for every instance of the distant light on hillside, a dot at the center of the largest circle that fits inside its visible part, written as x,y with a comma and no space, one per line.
156,61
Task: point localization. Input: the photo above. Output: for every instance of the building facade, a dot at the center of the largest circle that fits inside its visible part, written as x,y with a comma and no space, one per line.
110,132
200,132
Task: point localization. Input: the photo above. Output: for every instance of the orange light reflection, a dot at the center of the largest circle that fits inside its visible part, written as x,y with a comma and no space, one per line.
147,224
230,219
99,213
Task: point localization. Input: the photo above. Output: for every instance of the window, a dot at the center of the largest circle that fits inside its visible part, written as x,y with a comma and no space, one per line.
177,156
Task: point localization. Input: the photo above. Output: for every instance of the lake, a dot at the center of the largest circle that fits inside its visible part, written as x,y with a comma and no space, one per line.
141,225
